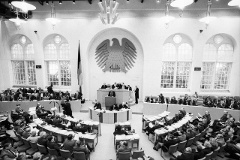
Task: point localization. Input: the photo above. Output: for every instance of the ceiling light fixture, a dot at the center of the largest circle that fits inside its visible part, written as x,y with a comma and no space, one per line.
53,20
17,20
23,6
181,4
234,3
73,1
208,18
108,13
60,2
167,19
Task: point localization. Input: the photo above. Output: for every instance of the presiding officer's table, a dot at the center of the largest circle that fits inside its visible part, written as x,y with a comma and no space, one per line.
48,104
216,113
110,117
122,95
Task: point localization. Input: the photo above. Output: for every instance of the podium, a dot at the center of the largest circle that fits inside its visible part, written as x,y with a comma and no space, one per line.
122,95
109,101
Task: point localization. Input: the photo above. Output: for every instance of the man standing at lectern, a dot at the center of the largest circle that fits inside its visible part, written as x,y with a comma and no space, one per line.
136,95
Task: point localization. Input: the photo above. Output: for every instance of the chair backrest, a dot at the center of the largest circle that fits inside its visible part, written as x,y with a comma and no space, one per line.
65,153
197,137
215,153
182,146
33,145
173,148
26,143
138,154
190,141
42,149
204,158
208,156
79,156
124,155
52,151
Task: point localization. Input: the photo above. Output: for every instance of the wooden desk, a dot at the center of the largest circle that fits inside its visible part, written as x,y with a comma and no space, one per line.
62,134
109,101
110,117
122,95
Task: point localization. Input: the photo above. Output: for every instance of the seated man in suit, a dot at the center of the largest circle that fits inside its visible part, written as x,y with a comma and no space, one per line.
186,155
69,143
124,148
52,143
161,98
153,125
41,113
167,142
119,131
111,94
81,147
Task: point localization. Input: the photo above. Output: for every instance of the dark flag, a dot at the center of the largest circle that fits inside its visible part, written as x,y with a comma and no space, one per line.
79,70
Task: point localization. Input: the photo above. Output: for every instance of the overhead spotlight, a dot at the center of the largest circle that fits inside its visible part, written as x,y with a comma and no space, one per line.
127,0
73,1
60,2
142,1
47,2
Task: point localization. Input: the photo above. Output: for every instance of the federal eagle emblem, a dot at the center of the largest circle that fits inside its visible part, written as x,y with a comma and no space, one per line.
116,58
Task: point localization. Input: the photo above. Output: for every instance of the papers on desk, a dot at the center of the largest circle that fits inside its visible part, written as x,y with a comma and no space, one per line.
127,137
174,126
123,123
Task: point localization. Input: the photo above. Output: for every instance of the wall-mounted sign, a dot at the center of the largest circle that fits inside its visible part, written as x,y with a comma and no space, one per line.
38,66
116,58
197,68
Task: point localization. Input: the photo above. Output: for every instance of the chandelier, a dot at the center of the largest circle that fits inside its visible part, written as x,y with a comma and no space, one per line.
17,20
234,3
23,6
208,18
181,3
53,20
166,19
108,13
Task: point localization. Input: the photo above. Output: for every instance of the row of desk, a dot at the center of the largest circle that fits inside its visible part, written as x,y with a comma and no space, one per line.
48,104
61,134
110,117
216,113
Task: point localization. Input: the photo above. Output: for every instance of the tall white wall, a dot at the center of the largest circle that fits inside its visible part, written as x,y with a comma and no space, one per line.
147,32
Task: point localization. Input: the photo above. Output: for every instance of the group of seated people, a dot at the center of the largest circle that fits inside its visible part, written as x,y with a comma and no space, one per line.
115,107
38,94
221,102
48,140
116,86
220,132
186,100
163,122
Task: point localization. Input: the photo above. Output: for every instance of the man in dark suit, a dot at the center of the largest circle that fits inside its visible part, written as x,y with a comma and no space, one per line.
161,98
81,128
52,144
111,94
81,147
136,94
69,143
43,139
68,109
97,106
168,141
104,86
50,89
186,155
199,154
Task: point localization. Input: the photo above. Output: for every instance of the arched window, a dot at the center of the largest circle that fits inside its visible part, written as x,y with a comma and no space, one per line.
217,62
57,60
176,62
22,58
